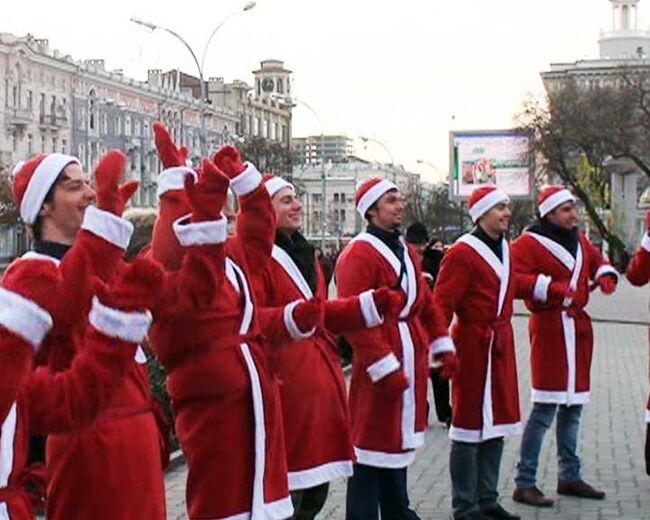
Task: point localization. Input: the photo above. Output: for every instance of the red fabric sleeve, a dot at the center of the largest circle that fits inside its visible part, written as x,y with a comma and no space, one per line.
164,244
638,270
523,272
256,228
16,363
451,286
71,399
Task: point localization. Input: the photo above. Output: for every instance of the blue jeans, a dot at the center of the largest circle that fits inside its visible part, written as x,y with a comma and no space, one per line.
566,431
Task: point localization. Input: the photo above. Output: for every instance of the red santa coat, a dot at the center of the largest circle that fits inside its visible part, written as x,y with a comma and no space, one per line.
312,387
638,273
41,403
479,288
561,336
225,399
387,428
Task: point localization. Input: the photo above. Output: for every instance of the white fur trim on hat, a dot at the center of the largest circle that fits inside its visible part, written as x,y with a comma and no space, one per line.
246,181
200,233
110,227
441,345
275,184
292,326
172,179
380,369
540,290
24,317
485,204
373,195
40,183
369,311
127,326
555,200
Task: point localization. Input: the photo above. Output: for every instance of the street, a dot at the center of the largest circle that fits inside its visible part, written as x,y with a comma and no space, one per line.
611,437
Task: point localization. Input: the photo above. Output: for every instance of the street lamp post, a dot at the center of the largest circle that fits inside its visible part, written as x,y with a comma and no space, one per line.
433,167
199,66
376,141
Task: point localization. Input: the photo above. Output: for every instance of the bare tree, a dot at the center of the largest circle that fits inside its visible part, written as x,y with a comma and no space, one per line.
268,156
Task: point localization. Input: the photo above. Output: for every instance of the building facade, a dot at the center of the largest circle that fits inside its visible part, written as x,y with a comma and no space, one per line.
307,150
623,46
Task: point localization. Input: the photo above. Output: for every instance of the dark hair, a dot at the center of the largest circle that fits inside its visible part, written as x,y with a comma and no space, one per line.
36,228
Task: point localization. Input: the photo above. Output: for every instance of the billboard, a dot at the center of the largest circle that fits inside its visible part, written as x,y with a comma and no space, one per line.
499,157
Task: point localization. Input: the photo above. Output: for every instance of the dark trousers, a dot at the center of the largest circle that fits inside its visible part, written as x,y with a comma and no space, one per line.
371,490
441,396
307,503
474,472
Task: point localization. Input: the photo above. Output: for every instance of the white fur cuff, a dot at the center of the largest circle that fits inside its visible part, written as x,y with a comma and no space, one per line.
440,345
246,181
127,326
173,179
292,326
110,227
24,317
540,291
369,311
380,369
645,242
606,269
200,233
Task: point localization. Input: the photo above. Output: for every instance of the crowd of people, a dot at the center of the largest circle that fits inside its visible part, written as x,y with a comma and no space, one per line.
233,302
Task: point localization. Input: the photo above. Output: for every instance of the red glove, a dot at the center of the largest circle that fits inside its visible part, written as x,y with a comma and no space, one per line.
450,364
393,383
228,160
209,194
607,283
389,302
559,291
309,314
109,171
168,153
136,288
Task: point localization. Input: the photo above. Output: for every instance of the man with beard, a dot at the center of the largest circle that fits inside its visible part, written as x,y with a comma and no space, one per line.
564,266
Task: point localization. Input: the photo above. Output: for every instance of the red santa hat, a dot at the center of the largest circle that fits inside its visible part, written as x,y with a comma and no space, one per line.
33,179
370,191
483,199
273,184
551,197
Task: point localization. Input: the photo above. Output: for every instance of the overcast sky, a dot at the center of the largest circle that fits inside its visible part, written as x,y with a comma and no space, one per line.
394,71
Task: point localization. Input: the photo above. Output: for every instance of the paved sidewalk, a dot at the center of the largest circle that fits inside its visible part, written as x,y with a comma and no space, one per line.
611,440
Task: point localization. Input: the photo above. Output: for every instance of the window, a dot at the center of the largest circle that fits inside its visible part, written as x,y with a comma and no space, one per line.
145,129
127,125
336,198
54,143
342,198
42,144
14,96
14,142
342,215
315,198
30,100
64,145
280,86
136,128
30,144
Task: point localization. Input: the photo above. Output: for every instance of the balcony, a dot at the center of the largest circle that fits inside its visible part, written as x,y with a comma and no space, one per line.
19,117
51,122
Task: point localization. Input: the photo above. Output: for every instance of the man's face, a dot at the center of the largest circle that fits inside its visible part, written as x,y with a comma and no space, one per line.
497,220
564,216
288,210
388,211
62,217
231,217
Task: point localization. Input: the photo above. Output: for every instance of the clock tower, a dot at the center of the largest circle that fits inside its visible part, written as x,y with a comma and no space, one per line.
272,79
625,40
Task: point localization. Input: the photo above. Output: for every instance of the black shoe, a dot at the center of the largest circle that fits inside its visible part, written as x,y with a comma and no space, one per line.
469,516
531,496
497,512
579,488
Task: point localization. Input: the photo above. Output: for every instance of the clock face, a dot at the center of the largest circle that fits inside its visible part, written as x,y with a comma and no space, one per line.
268,84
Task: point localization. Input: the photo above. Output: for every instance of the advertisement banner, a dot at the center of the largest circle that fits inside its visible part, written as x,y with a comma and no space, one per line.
500,158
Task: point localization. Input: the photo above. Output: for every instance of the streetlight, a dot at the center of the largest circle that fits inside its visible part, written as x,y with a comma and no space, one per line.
392,162
433,166
322,161
199,66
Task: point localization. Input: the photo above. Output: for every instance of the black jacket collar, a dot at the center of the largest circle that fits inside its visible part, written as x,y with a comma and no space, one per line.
53,249
567,238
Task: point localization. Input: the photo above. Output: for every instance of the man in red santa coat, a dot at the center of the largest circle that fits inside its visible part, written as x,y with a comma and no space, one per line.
563,265
39,402
638,273
306,360
477,283
390,362
225,399
77,241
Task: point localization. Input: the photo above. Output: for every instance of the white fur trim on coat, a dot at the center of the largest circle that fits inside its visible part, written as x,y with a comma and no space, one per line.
110,227
380,369
24,317
200,233
380,459
645,242
127,326
173,179
246,181
540,291
606,269
441,345
292,326
312,477
369,311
